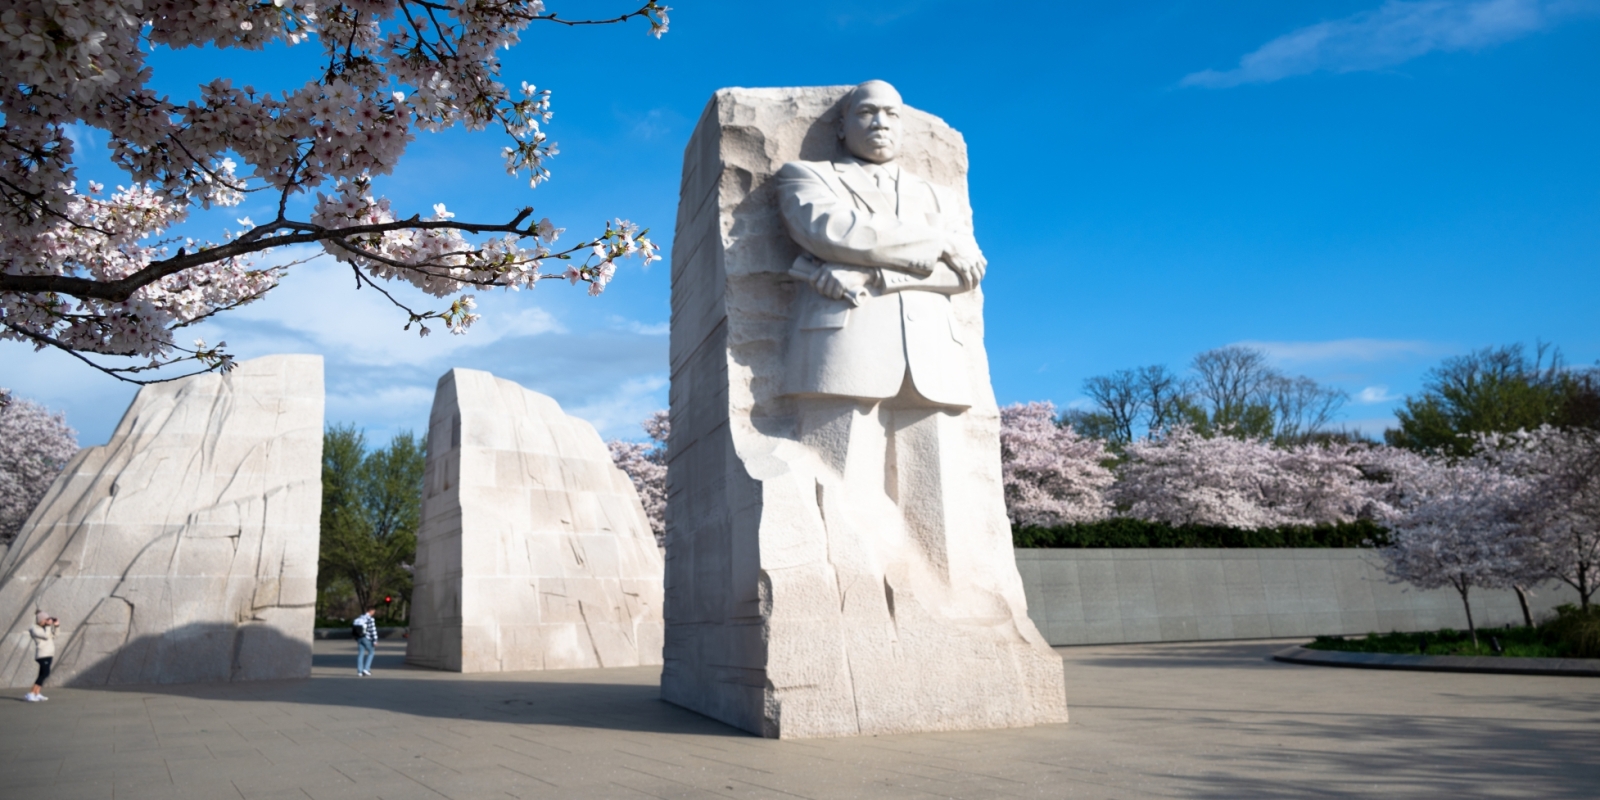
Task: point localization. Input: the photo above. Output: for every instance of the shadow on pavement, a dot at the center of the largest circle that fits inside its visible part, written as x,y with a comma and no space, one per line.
1169,655
564,698
1403,756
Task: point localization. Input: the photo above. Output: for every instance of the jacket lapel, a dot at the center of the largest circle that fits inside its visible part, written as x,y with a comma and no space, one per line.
862,186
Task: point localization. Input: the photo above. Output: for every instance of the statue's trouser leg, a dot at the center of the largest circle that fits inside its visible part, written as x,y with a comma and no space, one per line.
848,437
924,442
891,463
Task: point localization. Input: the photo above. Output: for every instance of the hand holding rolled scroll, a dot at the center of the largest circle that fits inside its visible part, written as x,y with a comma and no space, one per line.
833,281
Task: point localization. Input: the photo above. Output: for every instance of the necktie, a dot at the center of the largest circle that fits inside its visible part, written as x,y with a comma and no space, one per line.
880,176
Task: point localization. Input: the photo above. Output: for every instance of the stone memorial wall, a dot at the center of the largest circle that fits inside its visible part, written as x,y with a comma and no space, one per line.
184,549
534,551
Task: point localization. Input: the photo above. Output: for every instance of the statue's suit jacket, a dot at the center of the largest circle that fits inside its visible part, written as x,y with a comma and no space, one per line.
837,214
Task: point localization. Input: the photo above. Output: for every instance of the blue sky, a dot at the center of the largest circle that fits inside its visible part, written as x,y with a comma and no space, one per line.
1362,188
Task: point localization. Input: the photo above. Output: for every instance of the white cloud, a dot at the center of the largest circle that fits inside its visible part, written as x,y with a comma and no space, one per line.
1392,34
1371,426
1375,394
652,124
641,328
318,306
382,409
618,413
1343,350
85,139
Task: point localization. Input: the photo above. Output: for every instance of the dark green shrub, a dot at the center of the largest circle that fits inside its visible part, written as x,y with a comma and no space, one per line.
1575,631
1138,533
1515,642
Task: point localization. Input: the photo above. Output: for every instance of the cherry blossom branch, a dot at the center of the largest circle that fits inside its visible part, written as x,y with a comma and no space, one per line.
644,11
258,239
212,358
96,275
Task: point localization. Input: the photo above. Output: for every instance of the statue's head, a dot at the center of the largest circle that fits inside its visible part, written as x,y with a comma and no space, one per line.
871,125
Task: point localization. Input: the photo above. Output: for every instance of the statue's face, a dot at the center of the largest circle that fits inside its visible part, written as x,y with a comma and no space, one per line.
872,127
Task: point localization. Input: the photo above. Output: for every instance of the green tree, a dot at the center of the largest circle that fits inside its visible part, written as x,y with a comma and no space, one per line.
1495,390
371,509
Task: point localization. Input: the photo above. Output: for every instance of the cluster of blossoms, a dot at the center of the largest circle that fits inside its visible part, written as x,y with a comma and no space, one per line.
1523,508
646,466
1557,506
34,446
92,274
1183,478
1052,476
1453,524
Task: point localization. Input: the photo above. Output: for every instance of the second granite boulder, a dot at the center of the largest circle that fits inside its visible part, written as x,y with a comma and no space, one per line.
534,551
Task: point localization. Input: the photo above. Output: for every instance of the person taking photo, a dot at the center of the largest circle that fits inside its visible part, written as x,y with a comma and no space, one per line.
44,652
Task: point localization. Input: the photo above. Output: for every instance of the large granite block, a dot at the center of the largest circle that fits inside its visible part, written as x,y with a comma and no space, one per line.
810,590
184,549
534,550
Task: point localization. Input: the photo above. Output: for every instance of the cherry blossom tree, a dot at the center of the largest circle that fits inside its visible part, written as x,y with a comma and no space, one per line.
1182,477
34,446
646,465
92,272
1455,524
1052,476
1323,482
1559,517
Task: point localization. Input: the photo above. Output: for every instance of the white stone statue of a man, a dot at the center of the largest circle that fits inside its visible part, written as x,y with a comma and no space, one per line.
884,249
838,560
876,362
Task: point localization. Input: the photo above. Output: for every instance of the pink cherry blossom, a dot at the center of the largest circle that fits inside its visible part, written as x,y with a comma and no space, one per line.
646,466
34,446
1454,524
96,275
1558,518
1052,476
1183,478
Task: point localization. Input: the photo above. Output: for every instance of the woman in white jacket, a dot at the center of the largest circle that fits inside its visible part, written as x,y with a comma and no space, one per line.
44,651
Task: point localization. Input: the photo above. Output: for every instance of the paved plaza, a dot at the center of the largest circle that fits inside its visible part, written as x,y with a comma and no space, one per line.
1208,720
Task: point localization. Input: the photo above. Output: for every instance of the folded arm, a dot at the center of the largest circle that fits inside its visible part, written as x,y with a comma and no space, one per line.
831,228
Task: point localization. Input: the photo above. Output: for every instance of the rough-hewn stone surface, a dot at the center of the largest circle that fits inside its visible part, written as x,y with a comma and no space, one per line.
788,613
185,549
534,551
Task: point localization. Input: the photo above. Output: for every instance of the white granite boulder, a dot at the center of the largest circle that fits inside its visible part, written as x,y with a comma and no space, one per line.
534,550
839,560
185,549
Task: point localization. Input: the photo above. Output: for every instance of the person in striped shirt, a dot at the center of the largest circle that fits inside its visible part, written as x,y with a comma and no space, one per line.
367,644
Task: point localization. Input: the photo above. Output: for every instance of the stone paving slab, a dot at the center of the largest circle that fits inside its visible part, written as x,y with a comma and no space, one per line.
1206,720
1493,665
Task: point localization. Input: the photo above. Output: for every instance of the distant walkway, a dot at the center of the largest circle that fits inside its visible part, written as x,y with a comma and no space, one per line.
1211,720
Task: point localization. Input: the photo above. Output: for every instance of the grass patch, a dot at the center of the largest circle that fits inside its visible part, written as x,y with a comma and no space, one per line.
1570,634
1514,642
